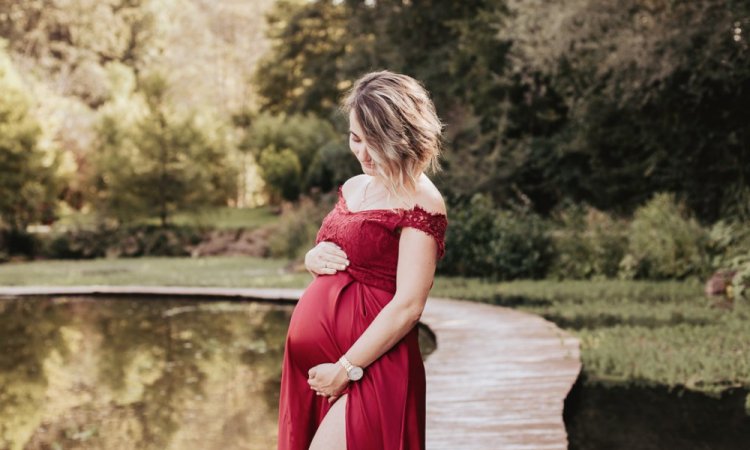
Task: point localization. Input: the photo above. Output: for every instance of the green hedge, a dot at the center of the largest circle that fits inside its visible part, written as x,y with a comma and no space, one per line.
664,242
589,244
501,244
142,240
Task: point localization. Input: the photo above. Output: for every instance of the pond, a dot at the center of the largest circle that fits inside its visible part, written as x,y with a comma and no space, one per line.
132,373
653,418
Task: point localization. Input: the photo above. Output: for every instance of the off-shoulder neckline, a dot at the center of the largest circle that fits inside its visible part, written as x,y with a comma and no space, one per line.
416,207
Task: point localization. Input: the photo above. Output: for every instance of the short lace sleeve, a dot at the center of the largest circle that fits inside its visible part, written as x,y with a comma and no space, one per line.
431,223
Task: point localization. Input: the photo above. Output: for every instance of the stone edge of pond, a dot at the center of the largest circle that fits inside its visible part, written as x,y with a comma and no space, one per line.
497,379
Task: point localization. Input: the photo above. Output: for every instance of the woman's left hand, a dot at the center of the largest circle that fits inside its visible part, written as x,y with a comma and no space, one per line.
328,379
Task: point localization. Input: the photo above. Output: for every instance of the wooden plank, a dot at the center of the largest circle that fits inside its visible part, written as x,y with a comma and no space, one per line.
498,378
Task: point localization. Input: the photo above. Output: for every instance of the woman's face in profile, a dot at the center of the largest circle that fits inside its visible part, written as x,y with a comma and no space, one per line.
358,146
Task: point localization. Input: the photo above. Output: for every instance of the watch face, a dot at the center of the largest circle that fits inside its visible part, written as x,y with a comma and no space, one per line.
356,373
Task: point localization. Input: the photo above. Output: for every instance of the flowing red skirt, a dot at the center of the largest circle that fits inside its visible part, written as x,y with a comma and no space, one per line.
385,410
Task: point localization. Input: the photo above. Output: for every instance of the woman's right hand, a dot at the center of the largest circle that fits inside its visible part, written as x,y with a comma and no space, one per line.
326,258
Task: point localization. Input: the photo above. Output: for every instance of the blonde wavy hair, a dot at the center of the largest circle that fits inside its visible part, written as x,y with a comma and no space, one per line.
402,129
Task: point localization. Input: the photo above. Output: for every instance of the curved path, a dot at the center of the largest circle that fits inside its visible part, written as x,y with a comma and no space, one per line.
497,380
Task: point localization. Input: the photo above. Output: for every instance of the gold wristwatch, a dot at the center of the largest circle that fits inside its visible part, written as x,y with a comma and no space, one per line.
353,372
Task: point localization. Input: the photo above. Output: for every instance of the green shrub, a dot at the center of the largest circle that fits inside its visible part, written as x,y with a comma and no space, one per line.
588,243
496,243
467,236
664,242
142,240
332,166
729,245
521,248
18,242
741,279
79,244
296,231
727,240
287,149
281,170
161,241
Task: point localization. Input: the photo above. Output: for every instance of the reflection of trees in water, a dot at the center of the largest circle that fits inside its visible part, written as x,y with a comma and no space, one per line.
166,374
138,338
610,415
272,331
29,332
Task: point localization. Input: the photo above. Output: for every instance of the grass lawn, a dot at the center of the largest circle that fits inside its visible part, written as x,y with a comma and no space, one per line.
156,271
219,218
665,333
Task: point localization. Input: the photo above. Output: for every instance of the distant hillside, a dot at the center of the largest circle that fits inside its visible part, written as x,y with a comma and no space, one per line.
80,58
208,47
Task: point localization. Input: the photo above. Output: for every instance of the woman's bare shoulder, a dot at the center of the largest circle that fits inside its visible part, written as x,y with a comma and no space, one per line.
429,197
354,181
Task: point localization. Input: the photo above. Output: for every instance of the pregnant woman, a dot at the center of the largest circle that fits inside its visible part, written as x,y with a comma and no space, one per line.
352,376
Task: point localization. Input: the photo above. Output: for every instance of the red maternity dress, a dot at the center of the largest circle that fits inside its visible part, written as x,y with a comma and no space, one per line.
385,409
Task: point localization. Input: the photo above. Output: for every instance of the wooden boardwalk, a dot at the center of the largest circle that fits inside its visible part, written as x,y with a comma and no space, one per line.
497,380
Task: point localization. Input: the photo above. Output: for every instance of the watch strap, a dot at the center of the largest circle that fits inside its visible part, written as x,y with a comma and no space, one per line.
345,362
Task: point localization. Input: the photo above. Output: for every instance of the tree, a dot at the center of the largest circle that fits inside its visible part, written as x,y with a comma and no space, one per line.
163,163
301,73
294,151
655,93
28,186
594,100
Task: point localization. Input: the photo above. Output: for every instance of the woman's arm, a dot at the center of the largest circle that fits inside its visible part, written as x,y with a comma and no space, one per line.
417,259
414,276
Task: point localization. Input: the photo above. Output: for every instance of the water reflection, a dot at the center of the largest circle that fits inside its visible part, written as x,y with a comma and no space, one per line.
123,373
108,373
654,418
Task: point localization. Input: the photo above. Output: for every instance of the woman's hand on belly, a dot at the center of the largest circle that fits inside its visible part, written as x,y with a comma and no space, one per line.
326,258
328,379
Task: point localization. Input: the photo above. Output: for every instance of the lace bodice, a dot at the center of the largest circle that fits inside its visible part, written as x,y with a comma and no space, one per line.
370,238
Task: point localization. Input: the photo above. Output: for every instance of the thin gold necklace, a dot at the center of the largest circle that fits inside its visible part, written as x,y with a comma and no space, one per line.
364,196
